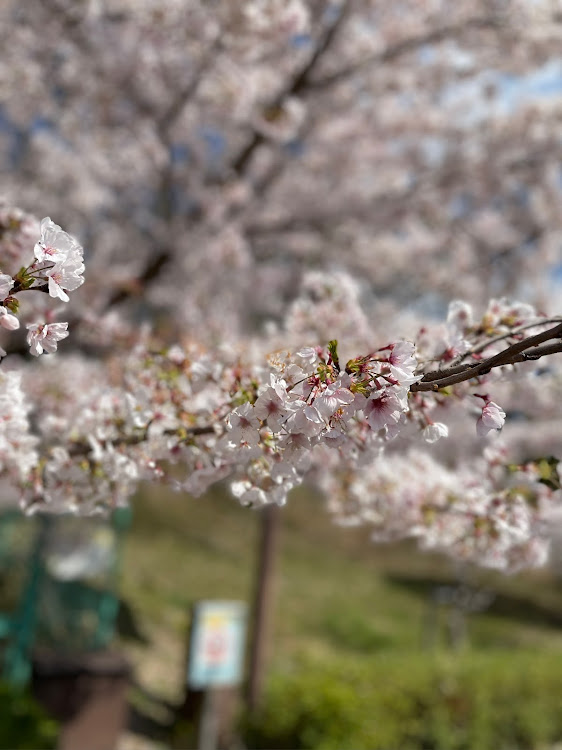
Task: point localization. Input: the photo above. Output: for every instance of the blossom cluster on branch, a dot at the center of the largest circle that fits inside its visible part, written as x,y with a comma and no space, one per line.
268,176
57,267
192,416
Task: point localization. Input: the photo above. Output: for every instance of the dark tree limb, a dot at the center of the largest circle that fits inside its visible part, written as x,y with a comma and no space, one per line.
294,87
522,351
404,47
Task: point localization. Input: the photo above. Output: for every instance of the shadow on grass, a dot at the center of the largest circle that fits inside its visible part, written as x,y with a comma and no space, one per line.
127,624
150,715
519,608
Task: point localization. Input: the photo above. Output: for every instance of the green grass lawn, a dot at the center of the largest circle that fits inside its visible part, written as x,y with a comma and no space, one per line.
336,593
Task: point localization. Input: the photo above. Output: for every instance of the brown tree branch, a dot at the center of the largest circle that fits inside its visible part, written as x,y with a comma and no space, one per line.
522,351
80,448
150,272
513,332
405,46
294,87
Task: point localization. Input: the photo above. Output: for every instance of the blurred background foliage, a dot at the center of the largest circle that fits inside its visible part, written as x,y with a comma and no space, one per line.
372,646
23,723
477,700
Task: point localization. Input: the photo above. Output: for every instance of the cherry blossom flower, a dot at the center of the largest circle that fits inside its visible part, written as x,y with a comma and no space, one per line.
6,283
18,448
55,245
383,408
403,362
8,321
45,337
248,494
66,275
65,254
434,432
334,397
271,405
308,354
506,313
492,418
459,316
306,421
459,319
244,425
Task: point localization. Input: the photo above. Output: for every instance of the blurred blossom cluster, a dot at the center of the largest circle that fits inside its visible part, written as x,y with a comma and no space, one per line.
280,202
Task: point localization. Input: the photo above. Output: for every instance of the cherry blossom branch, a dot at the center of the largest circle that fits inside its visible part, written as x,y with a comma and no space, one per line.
437,379
404,47
513,332
149,273
18,290
530,349
294,87
81,448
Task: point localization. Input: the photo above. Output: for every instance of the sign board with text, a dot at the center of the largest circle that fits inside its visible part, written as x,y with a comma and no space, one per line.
216,648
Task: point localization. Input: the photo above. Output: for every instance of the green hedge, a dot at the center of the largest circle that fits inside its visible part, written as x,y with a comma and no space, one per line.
484,701
23,723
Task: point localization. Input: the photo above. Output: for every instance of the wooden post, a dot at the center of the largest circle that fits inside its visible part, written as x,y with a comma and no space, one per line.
263,603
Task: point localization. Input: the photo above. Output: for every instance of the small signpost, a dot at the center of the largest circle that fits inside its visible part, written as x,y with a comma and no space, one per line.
216,658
